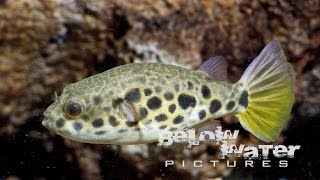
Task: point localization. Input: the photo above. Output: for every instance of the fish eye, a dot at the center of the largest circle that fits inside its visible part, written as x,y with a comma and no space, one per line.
73,108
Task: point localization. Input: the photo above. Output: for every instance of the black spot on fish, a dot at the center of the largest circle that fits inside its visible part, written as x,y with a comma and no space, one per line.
230,105
172,108
97,100
158,57
205,92
97,123
85,118
133,95
161,117
100,133
147,92
60,123
244,99
116,102
106,109
163,127
77,126
168,96
178,119
131,123
113,121
202,114
215,105
186,101
143,113
190,85
157,89
154,103
173,129
122,130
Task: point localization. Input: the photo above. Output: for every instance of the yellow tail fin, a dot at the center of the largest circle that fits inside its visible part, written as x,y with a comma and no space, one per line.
269,81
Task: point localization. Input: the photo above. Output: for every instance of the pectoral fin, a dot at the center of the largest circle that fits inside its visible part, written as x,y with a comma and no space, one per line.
128,110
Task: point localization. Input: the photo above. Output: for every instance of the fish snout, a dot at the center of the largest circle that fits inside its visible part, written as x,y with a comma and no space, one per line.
46,122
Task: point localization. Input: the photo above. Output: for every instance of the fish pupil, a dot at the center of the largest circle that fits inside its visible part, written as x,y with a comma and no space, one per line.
73,108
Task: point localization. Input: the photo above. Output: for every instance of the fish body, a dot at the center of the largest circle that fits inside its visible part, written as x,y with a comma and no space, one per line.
134,103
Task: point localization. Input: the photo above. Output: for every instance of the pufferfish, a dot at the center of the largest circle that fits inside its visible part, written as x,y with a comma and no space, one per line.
134,103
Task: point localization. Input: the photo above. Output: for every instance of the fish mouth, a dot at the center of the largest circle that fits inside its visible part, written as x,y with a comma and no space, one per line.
46,122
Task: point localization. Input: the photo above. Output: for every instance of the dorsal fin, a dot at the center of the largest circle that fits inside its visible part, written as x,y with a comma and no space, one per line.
215,67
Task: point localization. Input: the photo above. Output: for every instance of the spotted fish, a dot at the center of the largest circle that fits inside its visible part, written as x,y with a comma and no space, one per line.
134,103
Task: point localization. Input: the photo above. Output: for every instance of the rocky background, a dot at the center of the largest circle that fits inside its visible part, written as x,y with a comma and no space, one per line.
47,44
